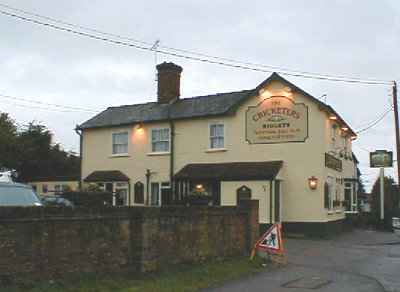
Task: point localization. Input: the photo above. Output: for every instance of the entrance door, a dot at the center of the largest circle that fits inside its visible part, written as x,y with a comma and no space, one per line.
166,194
277,201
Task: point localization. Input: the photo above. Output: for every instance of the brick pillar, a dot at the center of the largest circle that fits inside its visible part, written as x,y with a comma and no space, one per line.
253,229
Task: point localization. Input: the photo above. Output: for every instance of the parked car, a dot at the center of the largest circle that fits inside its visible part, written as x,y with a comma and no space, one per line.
50,200
16,194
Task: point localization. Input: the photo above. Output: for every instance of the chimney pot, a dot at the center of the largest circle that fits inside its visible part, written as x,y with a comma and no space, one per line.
169,76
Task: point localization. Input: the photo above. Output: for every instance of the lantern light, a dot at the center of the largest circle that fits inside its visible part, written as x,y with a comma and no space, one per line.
333,118
345,128
313,182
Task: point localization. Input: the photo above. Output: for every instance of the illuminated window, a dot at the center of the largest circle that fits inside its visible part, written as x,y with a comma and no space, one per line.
160,140
217,136
120,143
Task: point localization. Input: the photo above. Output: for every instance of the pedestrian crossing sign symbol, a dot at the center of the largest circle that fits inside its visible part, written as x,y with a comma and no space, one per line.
271,241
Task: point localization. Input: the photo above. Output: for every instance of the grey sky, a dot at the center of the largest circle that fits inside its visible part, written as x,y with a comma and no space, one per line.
355,38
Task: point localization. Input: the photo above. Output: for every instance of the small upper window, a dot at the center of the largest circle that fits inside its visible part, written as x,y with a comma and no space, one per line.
217,136
160,140
120,143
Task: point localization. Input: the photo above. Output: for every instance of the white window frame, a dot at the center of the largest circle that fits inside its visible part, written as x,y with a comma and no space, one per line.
152,142
58,188
151,194
332,192
210,148
161,186
115,187
333,133
112,143
121,186
353,187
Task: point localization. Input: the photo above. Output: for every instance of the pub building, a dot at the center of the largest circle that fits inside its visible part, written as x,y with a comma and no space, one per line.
275,143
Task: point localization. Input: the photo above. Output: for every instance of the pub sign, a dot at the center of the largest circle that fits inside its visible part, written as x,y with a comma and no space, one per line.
381,158
277,120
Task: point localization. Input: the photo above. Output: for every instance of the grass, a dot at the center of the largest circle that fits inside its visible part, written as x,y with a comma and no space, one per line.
186,278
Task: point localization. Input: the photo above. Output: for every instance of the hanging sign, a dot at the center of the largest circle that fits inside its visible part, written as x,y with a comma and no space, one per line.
333,163
277,120
381,158
271,241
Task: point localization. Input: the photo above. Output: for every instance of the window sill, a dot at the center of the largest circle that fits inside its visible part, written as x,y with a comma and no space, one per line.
338,211
119,155
351,212
331,212
213,150
158,153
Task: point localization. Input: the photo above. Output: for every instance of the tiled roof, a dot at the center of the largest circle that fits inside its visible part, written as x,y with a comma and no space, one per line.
209,105
230,171
106,176
199,106
55,178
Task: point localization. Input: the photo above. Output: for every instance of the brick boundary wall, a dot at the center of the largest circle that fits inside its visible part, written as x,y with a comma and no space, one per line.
51,243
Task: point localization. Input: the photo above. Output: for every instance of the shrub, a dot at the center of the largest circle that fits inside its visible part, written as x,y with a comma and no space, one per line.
89,199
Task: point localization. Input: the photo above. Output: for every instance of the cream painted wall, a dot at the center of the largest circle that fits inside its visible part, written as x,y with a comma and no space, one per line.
51,186
260,191
301,160
97,154
335,147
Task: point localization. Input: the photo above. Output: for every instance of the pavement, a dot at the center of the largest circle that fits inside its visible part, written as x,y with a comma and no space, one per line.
361,260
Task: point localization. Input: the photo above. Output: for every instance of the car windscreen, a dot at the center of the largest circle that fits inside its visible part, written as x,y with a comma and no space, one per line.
17,196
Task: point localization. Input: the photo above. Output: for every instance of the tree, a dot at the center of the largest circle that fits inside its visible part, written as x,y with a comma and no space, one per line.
8,136
30,151
391,199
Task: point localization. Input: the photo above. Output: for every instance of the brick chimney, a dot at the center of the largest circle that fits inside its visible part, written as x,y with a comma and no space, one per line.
169,81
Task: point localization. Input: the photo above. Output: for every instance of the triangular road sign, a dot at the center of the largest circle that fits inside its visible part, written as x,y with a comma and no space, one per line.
271,240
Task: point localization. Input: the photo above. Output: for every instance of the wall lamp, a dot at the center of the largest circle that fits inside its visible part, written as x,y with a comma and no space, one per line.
313,182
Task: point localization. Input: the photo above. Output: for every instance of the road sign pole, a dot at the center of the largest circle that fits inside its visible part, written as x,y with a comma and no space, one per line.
396,126
382,175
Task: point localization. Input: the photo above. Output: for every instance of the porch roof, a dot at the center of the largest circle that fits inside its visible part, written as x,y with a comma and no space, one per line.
106,176
231,171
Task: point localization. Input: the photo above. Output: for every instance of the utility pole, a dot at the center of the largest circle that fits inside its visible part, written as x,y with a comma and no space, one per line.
396,121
